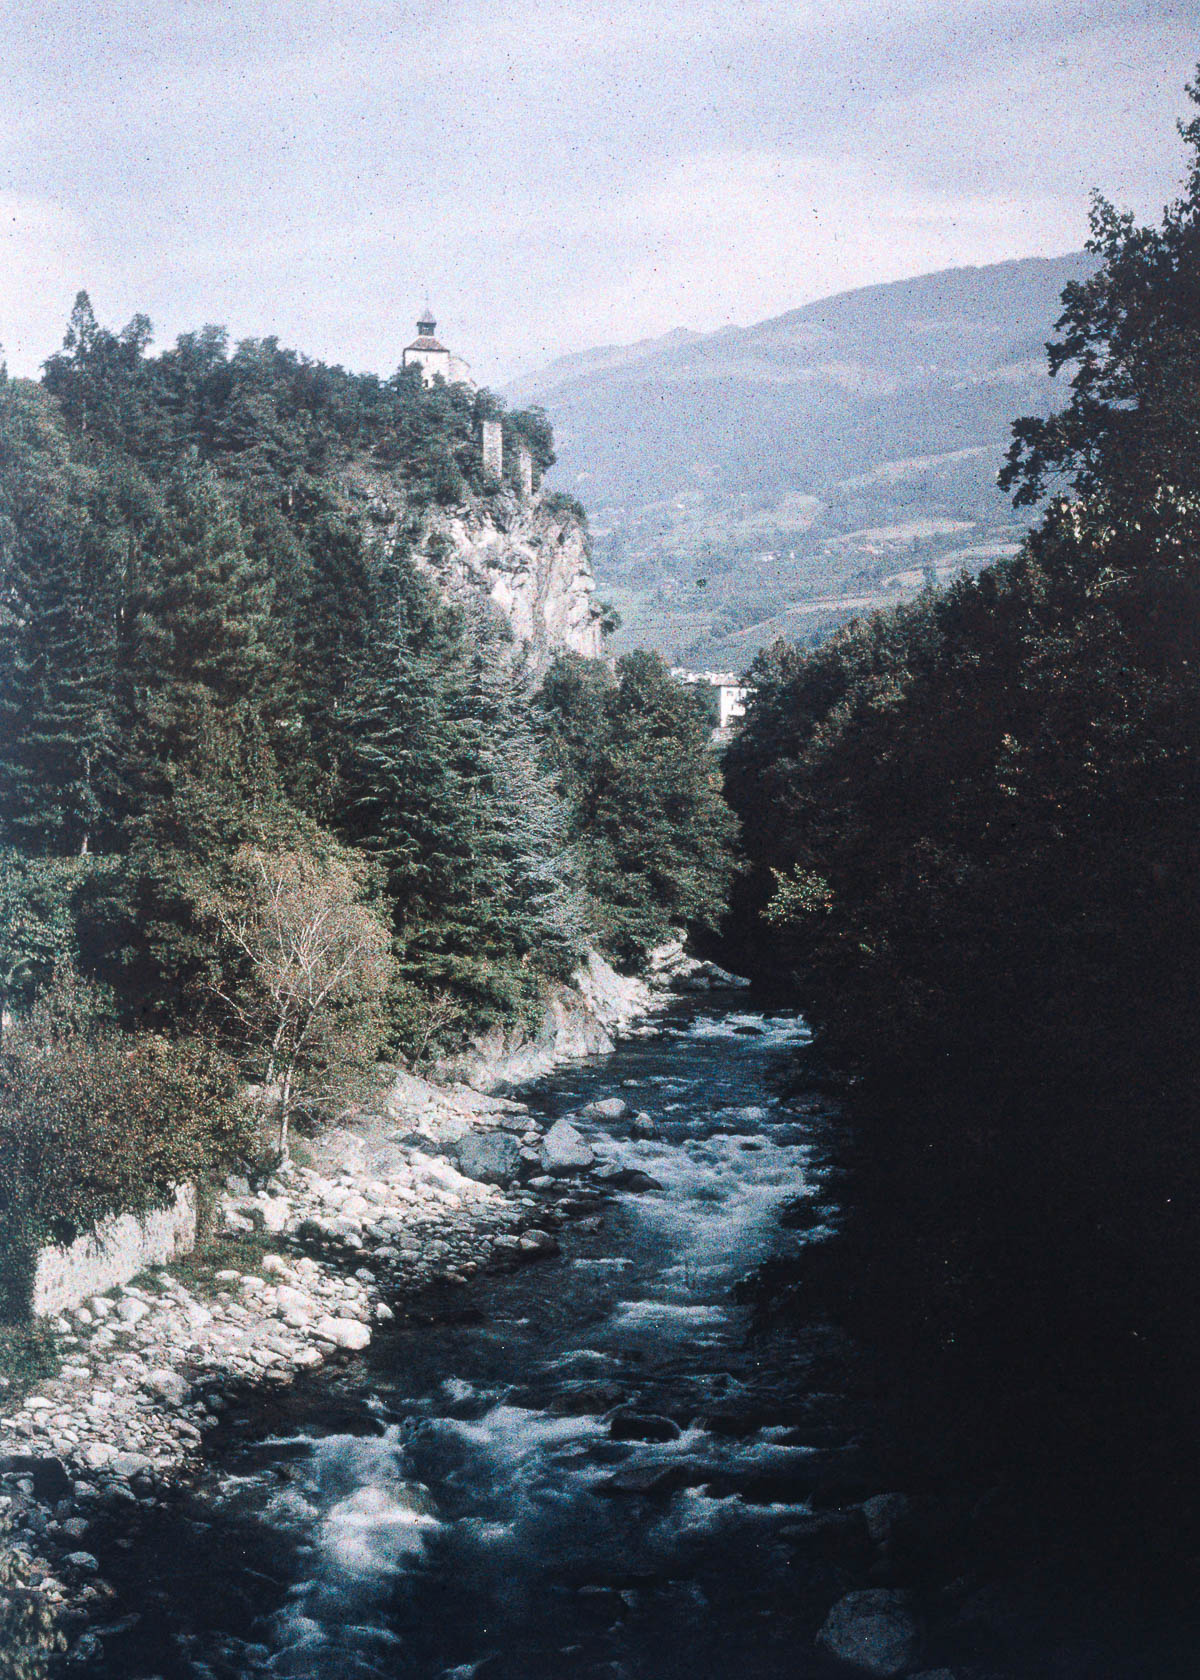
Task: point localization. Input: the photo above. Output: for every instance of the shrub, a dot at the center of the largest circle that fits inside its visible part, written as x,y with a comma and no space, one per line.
94,1122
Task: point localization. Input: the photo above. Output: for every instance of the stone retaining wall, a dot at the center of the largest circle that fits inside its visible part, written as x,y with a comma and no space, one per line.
114,1252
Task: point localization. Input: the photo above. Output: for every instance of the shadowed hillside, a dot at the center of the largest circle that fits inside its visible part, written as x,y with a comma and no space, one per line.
775,479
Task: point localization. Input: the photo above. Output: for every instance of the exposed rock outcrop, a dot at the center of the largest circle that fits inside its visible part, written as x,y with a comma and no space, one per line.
577,1020
530,559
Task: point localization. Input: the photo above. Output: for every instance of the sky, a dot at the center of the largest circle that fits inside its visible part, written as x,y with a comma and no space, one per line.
557,174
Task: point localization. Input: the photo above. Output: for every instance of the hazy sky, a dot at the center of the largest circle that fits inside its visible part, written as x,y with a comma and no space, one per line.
559,173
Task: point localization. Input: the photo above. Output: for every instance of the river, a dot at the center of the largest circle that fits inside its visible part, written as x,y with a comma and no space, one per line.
588,1466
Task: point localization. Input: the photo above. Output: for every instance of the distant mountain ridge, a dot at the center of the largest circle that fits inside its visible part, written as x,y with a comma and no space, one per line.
772,479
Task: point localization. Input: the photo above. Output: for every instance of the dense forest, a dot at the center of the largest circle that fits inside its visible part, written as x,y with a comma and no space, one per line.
975,860
272,803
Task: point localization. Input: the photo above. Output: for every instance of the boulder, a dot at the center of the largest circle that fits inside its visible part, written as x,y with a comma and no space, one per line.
565,1150
642,1126
588,1398
130,1310
489,1157
628,1178
606,1108
293,1303
628,1425
343,1332
275,1213
168,1386
873,1632
885,1512
538,1243
130,1465
49,1475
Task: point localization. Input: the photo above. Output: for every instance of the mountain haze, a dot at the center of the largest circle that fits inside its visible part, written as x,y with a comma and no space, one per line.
774,479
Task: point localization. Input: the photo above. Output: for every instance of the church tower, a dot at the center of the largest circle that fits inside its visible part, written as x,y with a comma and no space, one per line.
432,357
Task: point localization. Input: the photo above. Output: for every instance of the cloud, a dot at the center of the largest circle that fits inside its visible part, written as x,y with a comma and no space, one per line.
558,172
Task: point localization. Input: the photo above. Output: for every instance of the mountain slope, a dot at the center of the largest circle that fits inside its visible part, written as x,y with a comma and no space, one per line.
775,478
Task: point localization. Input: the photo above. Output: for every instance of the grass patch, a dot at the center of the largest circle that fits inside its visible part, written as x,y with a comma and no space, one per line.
29,1353
241,1251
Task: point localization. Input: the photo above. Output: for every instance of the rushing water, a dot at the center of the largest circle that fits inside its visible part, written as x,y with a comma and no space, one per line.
461,1501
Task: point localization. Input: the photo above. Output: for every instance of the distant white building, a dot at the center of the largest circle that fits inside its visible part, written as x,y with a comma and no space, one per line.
433,358
730,694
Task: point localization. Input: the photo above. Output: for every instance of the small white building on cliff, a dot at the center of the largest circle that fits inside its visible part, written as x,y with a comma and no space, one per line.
432,357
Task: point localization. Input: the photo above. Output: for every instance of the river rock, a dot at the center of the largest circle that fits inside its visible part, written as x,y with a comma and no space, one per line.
606,1108
276,1212
131,1311
48,1475
129,1465
565,1150
628,1425
885,1513
873,1632
627,1178
642,1126
168,1386
343,1332
489,1157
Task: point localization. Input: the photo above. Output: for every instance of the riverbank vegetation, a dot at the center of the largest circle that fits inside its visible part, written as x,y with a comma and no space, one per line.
975,862
277,797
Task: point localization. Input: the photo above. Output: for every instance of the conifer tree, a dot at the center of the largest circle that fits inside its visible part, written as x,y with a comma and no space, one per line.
198,776
413,801
57,640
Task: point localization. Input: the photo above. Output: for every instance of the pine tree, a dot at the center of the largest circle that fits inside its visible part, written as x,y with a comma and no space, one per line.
57,636
198,777
548,918
407,801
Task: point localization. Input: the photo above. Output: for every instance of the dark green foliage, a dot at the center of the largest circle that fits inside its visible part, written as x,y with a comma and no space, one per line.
975,857
223,663
57,634
189,577
37,923
95,1121
445,789
654,833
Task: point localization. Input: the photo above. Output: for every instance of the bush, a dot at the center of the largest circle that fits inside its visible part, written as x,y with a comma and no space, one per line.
95,1122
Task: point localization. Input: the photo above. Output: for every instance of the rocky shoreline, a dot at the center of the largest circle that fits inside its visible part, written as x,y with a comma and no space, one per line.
429,1185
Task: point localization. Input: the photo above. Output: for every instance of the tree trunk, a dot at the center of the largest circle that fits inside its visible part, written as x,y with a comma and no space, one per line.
285,1107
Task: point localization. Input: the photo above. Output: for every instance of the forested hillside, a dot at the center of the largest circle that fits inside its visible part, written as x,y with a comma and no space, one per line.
272,802
975,854
775,479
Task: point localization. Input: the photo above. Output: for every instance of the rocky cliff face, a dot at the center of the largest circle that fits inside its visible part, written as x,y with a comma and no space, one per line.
527,556
530,560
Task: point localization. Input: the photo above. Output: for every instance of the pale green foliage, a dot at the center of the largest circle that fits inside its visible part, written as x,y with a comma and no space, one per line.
308,965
